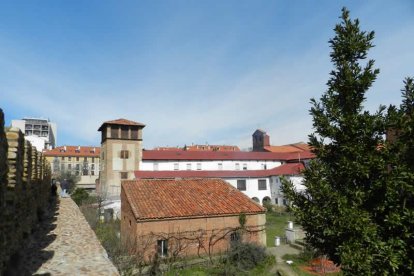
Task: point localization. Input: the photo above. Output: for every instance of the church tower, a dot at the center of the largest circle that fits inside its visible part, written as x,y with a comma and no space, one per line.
121,154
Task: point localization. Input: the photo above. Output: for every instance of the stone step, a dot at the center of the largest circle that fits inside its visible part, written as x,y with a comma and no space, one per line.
297,246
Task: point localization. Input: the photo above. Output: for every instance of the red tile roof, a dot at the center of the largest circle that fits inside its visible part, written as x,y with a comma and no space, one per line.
298,147
285,169
121,121
224,155
211,148
73,151
160,199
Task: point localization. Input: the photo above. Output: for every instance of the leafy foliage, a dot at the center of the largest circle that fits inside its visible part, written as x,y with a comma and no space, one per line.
246,255
358,205
71,179
80,195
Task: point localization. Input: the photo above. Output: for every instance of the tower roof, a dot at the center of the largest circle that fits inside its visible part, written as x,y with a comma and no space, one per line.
121,121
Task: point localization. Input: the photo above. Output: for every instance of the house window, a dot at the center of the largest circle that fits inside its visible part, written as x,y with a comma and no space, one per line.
63,158
162,248
198,166
262,184
85,159
235,236
175,166
241,185
188,166
244,166
237,166
69,167
155,166
77,158
124,175
263,166
124,154
220,166
70,158
93,159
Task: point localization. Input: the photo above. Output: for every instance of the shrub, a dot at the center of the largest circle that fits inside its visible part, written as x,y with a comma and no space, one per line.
79,195
246,255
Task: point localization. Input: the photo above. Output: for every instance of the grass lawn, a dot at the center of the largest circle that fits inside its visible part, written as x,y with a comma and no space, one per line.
275,226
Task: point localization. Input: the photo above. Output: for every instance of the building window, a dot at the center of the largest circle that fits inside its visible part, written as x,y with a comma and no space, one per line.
134,134
85,159
93,159
262,184
69,167
220,166
188,166
124,175
85,168
70,158
241,185
63,158
237,166
235,236
244,166
162,248
124,154
124,132
175,166
114,132
155,166
198,166
77,158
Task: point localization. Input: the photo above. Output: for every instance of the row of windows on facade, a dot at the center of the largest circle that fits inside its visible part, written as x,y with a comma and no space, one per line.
86,169
77,158
36,132
261,184
199,166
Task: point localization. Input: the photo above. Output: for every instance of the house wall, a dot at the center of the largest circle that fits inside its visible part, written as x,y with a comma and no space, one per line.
197,232
276,188
208,165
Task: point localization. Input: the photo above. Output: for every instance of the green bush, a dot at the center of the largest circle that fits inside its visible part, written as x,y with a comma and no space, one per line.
246,256
80,195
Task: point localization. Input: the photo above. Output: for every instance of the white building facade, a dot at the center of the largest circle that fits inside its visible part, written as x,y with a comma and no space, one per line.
40,132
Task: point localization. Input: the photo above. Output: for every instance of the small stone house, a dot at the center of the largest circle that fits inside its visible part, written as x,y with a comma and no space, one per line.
187,217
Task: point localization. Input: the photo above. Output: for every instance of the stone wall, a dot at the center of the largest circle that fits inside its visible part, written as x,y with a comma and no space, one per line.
24,190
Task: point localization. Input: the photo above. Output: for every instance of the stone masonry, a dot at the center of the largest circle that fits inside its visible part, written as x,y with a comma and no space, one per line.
24,190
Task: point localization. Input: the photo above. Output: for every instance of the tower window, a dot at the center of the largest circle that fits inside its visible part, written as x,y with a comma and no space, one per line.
114,132
124,154
124,175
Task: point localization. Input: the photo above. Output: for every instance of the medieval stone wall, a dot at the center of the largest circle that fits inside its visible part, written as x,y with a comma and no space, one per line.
24,190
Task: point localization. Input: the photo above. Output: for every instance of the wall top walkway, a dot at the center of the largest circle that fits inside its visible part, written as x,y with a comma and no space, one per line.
64,245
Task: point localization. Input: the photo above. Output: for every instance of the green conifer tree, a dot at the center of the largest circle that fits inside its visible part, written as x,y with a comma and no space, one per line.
345,207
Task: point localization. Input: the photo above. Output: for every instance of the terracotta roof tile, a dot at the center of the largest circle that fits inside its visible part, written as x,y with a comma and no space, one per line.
160,199
285,169
224,155
73,151
121,121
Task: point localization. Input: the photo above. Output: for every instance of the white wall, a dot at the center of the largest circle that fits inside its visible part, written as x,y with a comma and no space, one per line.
252,187
208,165
276,190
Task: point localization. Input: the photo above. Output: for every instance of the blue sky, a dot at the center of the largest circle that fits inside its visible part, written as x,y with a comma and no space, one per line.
192,71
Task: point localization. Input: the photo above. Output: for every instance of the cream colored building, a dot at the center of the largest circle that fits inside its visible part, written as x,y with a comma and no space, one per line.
121,154
79,160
